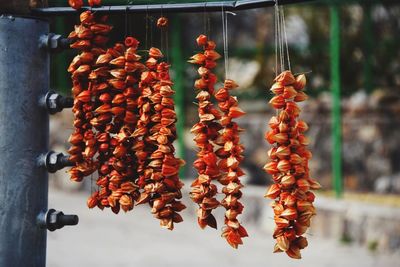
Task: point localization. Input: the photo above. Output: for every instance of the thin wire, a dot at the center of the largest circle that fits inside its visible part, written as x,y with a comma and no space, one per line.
126,21
205,18
277,42
209,27
130,31
281,41
282,66
151,30
162,32
286,41
147,28
224,40
162,38
226,50
276,39
166,40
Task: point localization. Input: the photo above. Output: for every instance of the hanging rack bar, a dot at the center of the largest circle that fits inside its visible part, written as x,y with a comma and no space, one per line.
171,8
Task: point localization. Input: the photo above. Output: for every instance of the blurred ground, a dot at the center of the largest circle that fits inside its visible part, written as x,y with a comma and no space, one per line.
104,240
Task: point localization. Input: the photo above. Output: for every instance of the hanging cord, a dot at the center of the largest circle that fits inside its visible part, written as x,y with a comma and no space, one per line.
126,21
280,36
278,47
286,41
130,20
147,27
281,42
166,43
209,27
130,31
151,30
276,39
205,17
224,37
161,32
224,15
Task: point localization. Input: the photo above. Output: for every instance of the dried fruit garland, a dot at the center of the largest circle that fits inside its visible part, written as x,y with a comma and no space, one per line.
220,164
125,124
165,204
203,190
231,154
89,38
159,174
107,100
120,101
293,200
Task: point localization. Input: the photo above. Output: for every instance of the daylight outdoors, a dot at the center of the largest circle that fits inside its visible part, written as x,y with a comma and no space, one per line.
296,155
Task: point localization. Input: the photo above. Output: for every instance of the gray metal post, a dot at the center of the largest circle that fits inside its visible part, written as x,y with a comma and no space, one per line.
24,79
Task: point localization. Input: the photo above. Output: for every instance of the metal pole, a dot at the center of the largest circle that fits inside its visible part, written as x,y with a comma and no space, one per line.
24,79
336,107
178,66
167,8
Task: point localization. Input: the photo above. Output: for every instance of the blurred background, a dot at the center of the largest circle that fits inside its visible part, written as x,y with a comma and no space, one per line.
350,50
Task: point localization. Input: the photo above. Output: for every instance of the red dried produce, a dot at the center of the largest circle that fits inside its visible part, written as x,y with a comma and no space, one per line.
231,154
105,109
156,133
293,202
206,131
80,69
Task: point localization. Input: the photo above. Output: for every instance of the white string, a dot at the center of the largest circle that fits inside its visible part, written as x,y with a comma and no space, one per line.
223,35
224,17
276,39
286,41
281,42
281,51
226,46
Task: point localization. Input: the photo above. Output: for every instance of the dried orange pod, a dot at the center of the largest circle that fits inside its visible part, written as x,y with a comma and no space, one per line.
75,4
162,22
94,3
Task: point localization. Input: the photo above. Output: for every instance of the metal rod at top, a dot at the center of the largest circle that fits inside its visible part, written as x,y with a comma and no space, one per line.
171,8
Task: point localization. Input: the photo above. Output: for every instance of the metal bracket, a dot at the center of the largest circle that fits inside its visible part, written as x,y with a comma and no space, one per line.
53,42
53,220
54,161
55,102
